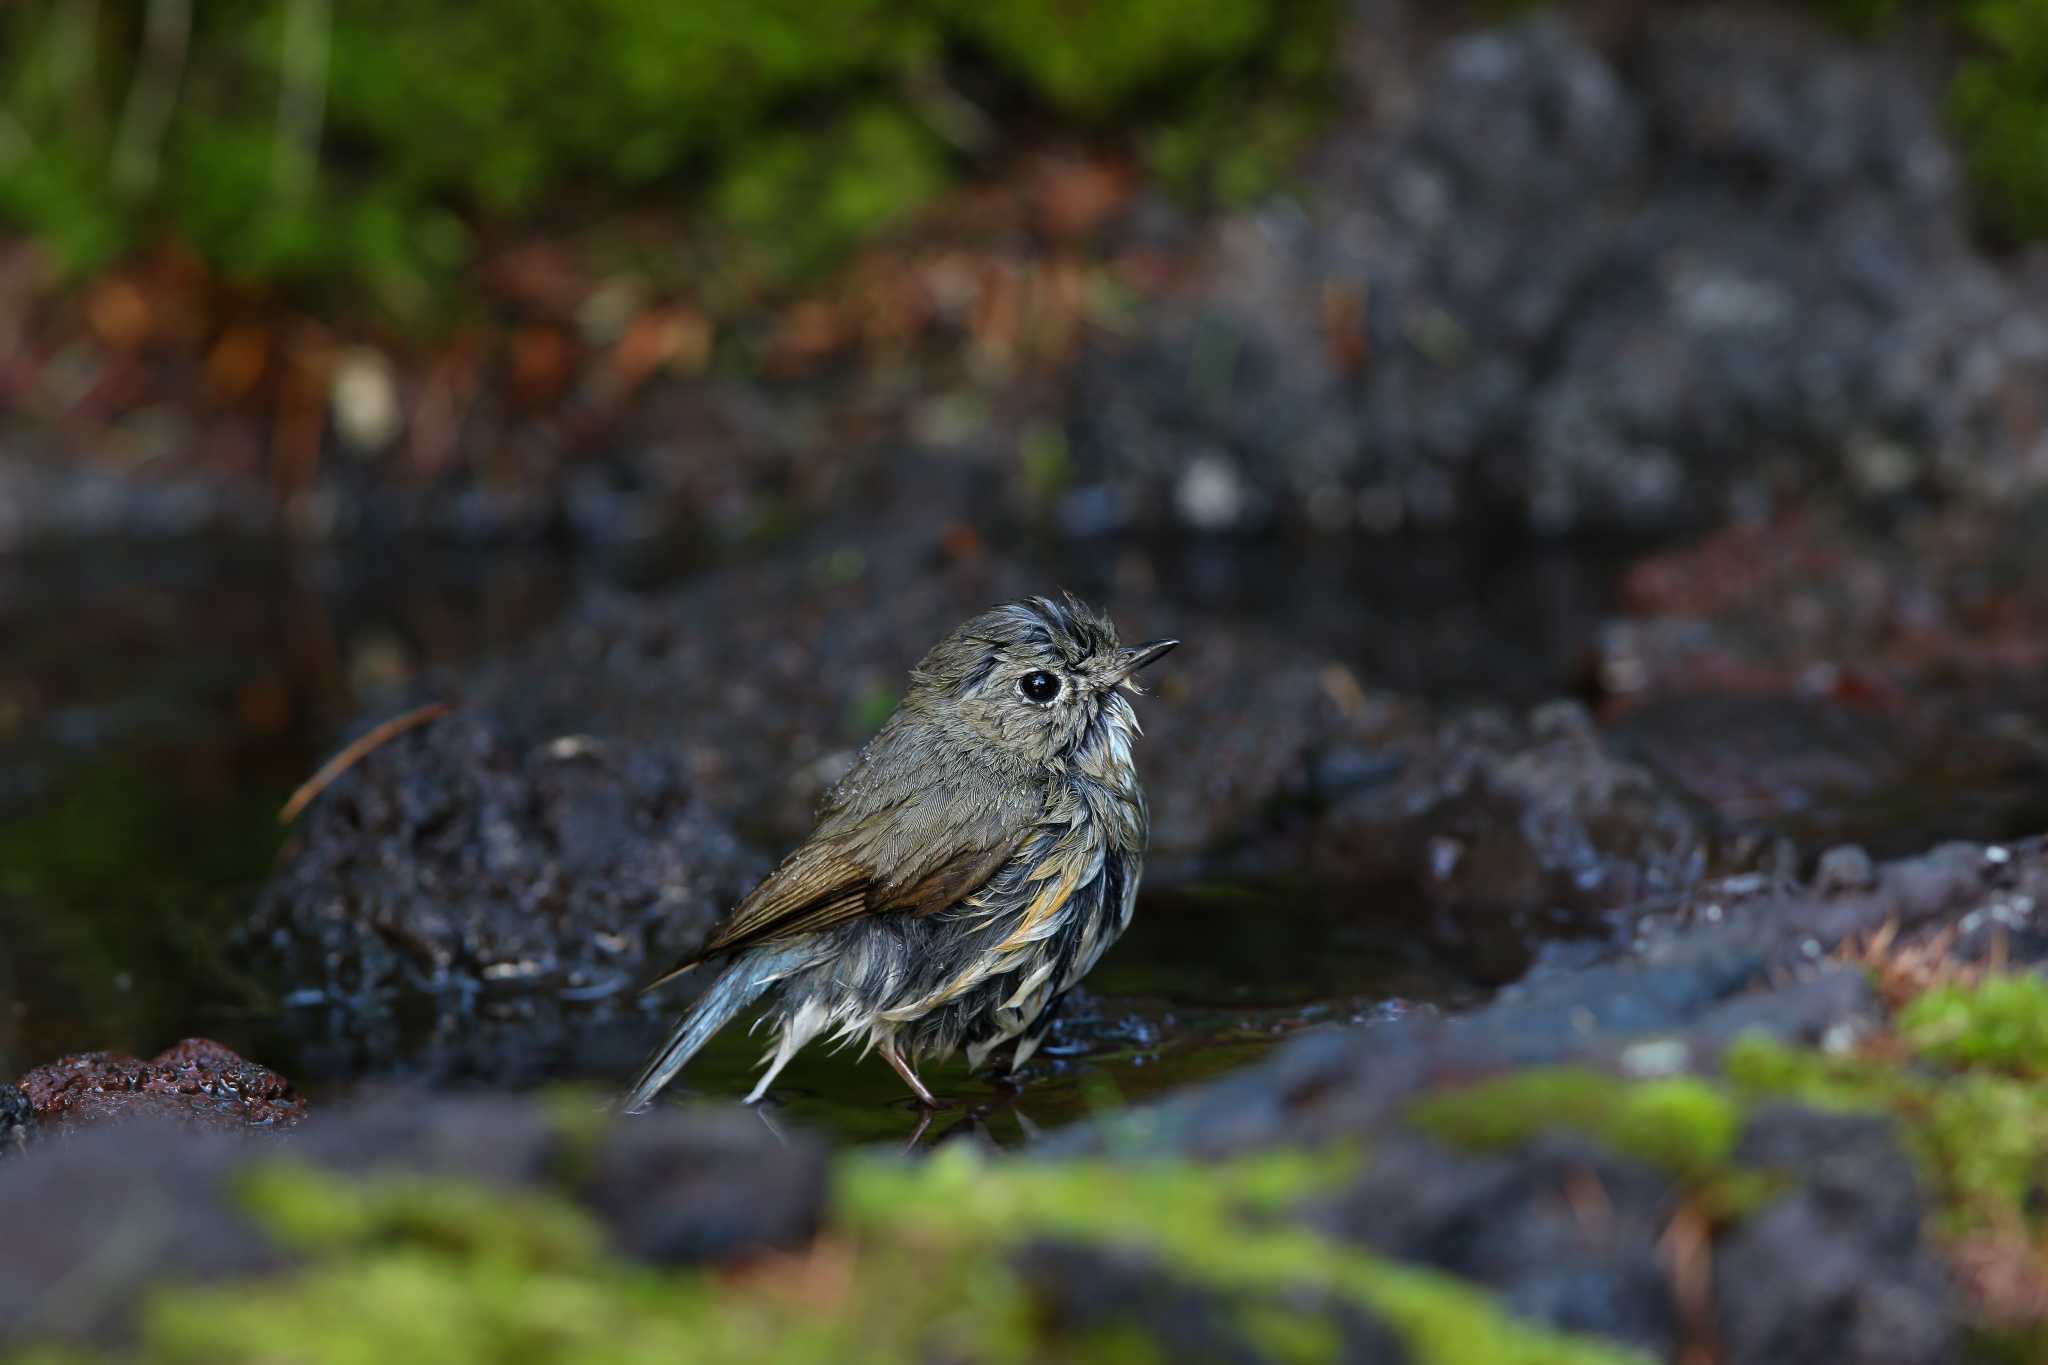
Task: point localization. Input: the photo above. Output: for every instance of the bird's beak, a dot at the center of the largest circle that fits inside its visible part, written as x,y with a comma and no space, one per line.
1138,656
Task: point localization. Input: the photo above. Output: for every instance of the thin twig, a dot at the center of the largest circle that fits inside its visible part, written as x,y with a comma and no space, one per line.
376,737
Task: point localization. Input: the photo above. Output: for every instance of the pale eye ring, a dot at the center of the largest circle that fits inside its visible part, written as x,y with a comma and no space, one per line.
1039,688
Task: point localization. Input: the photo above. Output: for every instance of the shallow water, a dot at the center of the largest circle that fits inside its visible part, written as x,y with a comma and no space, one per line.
157,705
1207,978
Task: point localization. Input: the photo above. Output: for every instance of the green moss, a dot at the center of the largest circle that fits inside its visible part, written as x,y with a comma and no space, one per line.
1240,133
1979,1138
800,198
2002,1023
314,1211
1999,102
1192,1218
1088,58
1285,1333
356,148
915,1266
402,1307
1683,1125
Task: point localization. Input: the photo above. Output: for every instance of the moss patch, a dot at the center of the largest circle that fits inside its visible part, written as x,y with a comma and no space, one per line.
2000,1023
1202,1223
918,1264
2000,106
313,1212
1979,1138
364,150
1682,1125
1965,1098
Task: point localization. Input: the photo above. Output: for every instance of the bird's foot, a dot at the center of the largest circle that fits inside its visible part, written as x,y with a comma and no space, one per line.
903,1069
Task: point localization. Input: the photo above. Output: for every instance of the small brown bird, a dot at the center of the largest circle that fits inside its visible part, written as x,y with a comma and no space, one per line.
974,864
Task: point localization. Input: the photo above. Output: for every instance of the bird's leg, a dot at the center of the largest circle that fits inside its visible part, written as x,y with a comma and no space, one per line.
887,1047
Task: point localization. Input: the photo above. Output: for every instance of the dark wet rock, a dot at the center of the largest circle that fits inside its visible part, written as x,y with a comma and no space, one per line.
1539,821
1839,1268
1085,1292
1820,771
1330,1084
1834,1266
1835,608
198,1083
1521,1224
124,1208
1265,748
711,1192
1580,293
1671,1004
458,859
766,678
1842,683
1844,868
1980,891
1742,955
762,678
670,1187
113,1212
1825,1007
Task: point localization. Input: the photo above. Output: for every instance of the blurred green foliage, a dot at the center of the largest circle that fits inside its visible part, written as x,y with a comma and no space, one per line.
361,144
1998,100
2000,1023
2000,105
923,1260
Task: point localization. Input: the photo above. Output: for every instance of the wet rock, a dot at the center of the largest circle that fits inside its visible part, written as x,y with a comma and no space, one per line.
709,1192
125,1208
1980,892
461,861
1840,1269
109,1214
1332,1084
766,678
1844,868
197,1083
1747,955
1842,683
1085,1292
1266,753
1562,1231
1495,830
1824,1008
1577,293
670,1186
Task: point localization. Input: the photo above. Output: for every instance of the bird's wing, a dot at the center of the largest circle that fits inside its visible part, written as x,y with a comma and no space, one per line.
833,876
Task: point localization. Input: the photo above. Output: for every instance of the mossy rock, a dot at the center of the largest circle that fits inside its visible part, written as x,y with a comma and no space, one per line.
921,1260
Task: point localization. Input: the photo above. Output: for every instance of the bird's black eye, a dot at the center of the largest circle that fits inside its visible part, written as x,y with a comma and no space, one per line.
1040,687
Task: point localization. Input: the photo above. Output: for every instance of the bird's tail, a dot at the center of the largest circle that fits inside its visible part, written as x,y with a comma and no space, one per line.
736,988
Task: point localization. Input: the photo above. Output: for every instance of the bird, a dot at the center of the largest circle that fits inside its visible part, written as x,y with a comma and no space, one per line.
972,866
